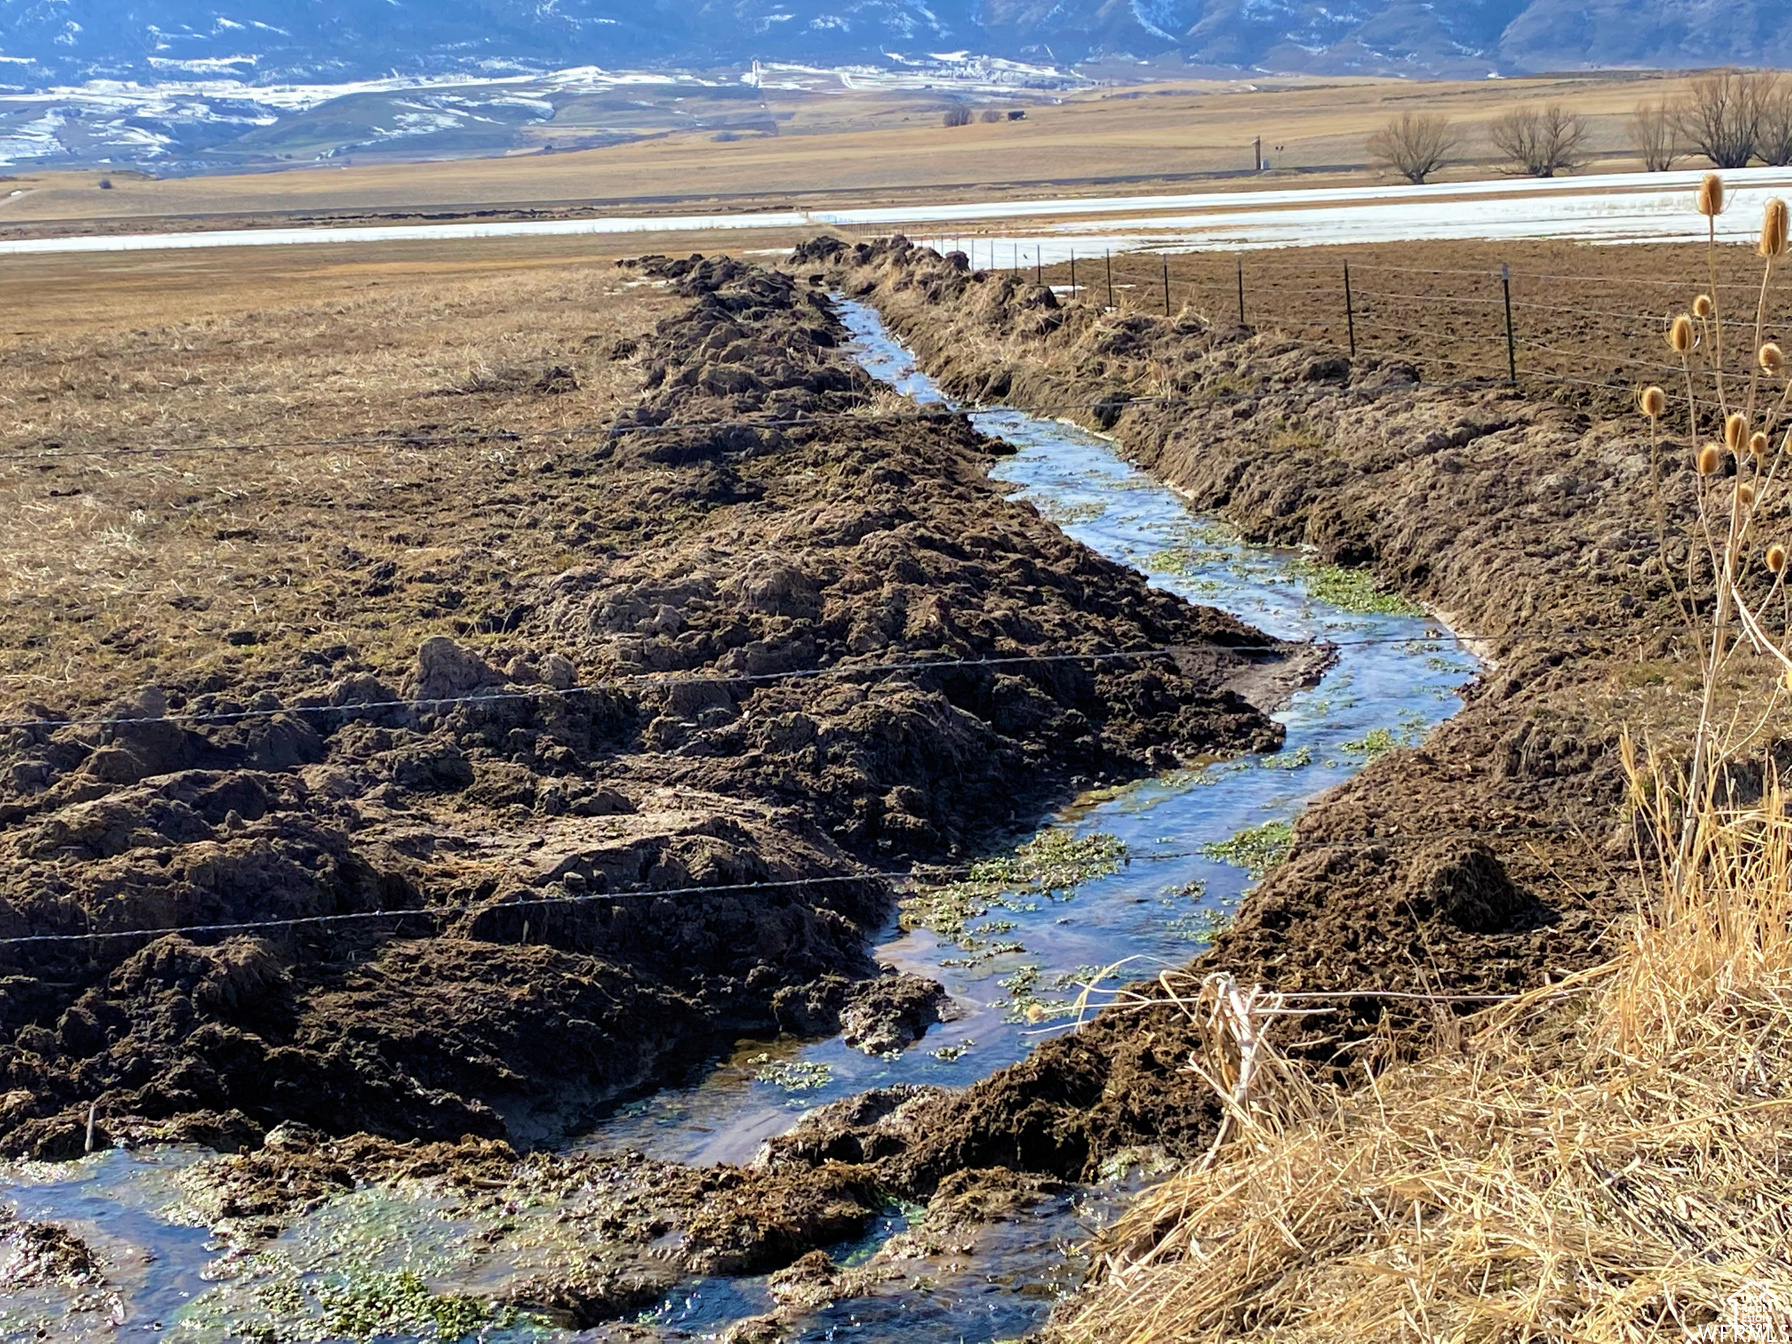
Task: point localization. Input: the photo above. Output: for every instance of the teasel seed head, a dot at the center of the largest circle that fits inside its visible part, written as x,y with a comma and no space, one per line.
1710,459
1652,402
1680,334
1757,444
1773,230
1772,358
1702,306
1711,196
1735,431
1776,558
1745,495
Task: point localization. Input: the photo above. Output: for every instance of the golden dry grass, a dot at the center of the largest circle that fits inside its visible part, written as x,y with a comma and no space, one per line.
1603,1160
375,432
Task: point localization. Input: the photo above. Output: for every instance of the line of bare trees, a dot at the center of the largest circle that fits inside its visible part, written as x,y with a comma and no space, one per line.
1731,117
1536,141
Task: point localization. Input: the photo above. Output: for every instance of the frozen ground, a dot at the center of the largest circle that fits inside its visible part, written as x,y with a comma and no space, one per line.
1610,208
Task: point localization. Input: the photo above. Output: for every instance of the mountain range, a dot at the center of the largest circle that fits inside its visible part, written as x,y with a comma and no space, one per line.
44,43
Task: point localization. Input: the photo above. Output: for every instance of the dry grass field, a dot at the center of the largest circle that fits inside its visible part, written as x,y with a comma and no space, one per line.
208,464
260,422
863,148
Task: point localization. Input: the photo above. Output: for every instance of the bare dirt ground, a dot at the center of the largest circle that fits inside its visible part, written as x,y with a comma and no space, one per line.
1587,322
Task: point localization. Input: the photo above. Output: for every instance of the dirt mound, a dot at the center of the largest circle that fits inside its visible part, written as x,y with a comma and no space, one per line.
44,1253
523,871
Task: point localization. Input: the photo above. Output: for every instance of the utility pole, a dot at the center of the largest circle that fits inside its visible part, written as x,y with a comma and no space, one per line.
1257,155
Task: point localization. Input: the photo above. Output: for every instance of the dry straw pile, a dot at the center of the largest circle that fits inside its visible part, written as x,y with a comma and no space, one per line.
1608,1158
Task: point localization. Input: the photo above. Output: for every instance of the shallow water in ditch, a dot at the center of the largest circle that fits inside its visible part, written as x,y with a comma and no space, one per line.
1396,675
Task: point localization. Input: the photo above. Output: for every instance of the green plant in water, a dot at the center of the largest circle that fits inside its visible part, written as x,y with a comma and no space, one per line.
1350,589
1200,927
1065,514
1298,759
793,1075
402,1303
1256,849
1378,742
1052,862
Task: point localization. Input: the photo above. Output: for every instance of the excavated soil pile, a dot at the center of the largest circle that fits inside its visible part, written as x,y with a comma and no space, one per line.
1487,860
723,698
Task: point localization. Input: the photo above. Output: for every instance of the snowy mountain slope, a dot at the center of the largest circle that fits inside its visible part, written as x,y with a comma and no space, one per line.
46,42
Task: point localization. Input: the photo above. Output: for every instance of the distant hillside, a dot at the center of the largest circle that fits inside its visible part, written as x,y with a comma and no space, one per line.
69,41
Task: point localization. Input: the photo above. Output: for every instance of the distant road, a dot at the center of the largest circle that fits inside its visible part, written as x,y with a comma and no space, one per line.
1609,208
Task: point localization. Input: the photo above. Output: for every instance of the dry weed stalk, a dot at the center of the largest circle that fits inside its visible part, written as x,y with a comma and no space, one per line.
1603,1159
1737,480
1607,1165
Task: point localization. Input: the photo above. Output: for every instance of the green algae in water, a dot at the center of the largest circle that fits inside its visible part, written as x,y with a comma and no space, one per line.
1065,515
1256,849
357,1268
401,1304
1202,926
793,1075
1378,742
1050,863
1354,590
290,1307
1289,760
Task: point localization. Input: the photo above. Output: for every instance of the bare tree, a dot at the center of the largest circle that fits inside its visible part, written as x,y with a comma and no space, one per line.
1413,144
993,114
1721,115
1652,136
957,116
1540,141
1773,136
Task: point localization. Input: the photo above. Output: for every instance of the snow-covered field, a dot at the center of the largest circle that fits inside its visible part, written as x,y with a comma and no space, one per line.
1614,208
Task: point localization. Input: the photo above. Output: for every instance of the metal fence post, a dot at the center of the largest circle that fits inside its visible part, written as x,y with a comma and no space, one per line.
1349,311
1511,345
1166,288
1108,257
1241,291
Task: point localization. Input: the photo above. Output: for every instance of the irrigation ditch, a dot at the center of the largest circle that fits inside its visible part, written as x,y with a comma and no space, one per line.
742,1169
